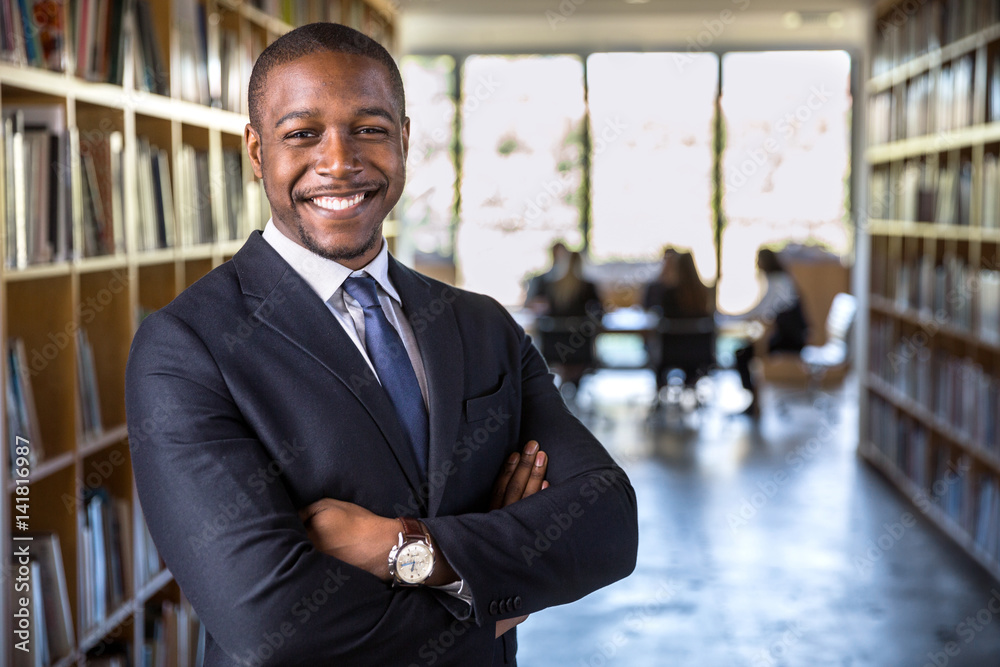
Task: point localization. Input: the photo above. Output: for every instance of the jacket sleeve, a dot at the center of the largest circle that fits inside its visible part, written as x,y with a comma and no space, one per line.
556,546
266,596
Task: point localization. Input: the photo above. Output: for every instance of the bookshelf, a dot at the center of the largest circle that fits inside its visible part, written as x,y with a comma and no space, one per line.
149,189
931,388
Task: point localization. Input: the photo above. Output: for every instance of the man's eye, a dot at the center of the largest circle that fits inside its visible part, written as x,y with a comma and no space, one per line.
300,134
372,130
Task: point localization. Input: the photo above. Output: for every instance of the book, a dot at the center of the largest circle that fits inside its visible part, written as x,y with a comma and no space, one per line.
104,572
151,68
54,596
991,192
192,71
90,401
38,186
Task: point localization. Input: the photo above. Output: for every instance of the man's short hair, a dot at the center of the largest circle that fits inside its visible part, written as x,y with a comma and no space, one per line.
312,38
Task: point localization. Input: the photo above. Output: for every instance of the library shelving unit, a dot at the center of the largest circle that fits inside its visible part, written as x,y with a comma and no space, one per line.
140,118
931,386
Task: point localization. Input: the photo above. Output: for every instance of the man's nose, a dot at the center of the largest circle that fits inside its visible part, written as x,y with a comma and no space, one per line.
337,156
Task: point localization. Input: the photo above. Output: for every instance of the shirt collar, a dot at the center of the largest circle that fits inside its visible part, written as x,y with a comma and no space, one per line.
323,275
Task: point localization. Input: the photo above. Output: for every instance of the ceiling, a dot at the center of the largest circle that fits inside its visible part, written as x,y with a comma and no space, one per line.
587,25
584,7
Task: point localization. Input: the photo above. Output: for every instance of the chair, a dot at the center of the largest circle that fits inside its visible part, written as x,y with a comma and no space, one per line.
687,345
818,360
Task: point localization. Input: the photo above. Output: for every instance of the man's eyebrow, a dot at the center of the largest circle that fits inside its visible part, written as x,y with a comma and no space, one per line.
299,113
376,111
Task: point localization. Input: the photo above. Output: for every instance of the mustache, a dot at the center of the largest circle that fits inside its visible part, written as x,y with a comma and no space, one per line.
365,186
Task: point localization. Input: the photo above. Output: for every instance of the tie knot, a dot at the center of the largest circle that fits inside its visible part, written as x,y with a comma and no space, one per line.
364,289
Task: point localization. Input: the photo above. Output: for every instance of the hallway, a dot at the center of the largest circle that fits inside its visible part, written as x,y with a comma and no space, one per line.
767,546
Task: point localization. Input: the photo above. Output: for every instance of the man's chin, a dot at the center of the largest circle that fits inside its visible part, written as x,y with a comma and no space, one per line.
345,251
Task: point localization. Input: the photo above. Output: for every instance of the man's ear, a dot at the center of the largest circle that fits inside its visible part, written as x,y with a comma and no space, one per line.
406,137
252,141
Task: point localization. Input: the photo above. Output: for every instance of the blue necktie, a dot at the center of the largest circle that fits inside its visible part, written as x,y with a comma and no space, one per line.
392,365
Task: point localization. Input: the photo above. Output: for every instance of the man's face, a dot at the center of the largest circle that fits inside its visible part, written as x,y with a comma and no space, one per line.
331,151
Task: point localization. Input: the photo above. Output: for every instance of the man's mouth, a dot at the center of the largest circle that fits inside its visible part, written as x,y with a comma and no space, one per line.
339,203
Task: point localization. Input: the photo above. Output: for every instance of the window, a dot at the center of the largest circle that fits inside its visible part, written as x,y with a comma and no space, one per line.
427,207
786,164
652,130
522,150
517,177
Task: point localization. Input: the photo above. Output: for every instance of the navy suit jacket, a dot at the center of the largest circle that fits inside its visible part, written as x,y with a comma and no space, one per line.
247,401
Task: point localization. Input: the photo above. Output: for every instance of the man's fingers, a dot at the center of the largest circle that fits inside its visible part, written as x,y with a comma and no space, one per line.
518,482
537,475
500,487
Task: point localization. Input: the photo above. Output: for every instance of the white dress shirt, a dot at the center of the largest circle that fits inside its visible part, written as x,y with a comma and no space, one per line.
326,277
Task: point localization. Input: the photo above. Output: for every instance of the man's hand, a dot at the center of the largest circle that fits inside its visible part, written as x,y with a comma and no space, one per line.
352,534
363,539
523,475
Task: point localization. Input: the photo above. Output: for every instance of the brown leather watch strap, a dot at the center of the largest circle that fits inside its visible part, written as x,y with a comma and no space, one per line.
412,529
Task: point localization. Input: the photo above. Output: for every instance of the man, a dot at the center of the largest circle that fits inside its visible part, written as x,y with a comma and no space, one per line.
281,467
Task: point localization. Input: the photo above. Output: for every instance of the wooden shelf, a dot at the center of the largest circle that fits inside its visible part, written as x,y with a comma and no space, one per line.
95,443
37,271
937,143
930,60
927,322
938,518
931,421
890,246
46,468
103,263
933,230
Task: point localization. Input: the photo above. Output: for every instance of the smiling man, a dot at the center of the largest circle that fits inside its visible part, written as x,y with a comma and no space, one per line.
408,515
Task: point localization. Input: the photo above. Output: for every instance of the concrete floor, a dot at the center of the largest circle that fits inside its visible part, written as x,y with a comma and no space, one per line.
766,546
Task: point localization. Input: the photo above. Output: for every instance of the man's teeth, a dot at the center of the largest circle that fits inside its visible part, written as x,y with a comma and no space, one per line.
338,203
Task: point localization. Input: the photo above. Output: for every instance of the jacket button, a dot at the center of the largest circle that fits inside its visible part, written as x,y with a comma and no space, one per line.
517,602
510,604
503,606
493,608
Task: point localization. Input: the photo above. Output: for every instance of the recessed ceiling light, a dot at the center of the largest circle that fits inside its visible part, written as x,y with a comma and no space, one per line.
835,20
792,20
636,2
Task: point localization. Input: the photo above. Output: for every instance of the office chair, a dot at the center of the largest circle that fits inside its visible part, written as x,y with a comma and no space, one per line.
818,360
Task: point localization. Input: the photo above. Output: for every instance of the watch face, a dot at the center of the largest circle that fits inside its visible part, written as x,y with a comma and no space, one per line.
414,563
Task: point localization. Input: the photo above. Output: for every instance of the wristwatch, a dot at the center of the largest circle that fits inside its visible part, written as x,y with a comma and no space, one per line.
411,562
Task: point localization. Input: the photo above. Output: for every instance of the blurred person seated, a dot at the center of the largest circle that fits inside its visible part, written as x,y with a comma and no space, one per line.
783,323
569,311
686,333
535,300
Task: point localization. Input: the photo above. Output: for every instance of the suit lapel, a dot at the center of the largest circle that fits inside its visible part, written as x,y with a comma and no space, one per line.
290,307
429,310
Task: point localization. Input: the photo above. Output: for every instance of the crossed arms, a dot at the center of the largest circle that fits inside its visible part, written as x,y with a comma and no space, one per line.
264,589
354,535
